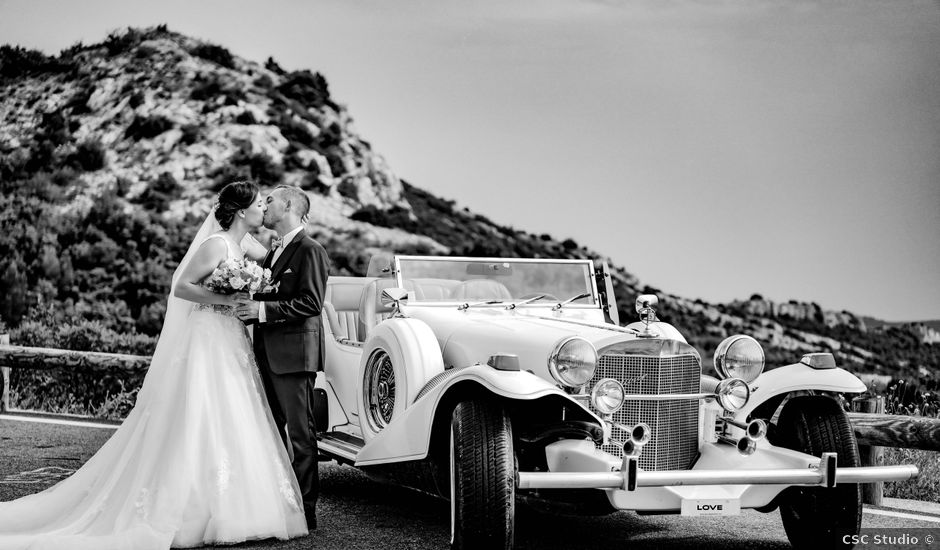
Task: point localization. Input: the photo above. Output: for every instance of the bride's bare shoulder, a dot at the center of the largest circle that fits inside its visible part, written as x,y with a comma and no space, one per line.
214,245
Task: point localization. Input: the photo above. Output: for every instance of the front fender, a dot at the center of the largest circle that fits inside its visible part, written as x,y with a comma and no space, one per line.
799,377
408,437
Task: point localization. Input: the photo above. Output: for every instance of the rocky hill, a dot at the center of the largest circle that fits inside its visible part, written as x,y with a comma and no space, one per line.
110,153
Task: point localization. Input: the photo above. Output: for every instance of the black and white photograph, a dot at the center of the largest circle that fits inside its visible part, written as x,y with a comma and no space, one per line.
418,274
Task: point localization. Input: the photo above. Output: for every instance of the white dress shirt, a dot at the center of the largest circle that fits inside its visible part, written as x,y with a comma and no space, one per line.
262,315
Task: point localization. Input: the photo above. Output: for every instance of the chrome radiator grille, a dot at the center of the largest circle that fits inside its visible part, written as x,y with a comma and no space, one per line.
674,425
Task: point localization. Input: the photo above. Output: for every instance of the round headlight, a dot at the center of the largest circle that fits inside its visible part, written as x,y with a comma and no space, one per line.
607,396
739,356
732,394
573,361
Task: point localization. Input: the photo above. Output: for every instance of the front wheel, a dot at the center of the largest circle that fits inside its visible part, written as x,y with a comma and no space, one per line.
482,477
819,516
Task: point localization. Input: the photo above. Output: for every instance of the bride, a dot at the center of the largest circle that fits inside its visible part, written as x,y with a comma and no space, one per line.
198,460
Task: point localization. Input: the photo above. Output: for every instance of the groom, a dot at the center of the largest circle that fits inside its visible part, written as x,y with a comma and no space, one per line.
288,338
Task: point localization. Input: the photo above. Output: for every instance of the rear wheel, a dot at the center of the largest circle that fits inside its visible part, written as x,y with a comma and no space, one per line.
819,516
399,358
482,477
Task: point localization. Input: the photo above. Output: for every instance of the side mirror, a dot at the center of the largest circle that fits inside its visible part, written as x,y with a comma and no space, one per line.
392,297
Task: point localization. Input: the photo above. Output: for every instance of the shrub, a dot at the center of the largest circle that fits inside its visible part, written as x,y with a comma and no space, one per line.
214,87
337,166
311,182
308,88
246,117
294,131
89,156
272,66
395,217
144,127
119,42
16,62
79,102
190,134
159,194
331,136
243,165
136,100
216,54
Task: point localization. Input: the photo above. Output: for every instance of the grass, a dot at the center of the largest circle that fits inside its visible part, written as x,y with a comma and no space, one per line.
905,398
112,407
927,486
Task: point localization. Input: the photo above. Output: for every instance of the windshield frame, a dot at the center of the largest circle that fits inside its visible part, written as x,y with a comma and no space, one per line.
592,276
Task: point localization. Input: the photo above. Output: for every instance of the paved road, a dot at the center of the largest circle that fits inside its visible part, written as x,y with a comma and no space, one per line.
358,513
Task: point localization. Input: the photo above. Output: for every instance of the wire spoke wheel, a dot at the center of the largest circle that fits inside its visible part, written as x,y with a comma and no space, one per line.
380,389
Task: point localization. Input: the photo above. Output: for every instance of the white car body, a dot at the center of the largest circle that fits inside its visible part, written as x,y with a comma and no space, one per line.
439,340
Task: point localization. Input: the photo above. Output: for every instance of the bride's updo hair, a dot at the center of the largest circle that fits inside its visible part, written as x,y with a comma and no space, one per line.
235,196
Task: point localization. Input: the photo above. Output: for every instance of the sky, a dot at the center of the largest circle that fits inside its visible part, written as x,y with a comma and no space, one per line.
715,149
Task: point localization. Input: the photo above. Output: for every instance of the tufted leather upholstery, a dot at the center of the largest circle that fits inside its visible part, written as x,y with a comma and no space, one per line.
433,290
341,306
481,289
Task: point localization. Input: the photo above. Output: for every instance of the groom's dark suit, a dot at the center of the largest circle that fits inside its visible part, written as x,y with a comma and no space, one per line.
289,350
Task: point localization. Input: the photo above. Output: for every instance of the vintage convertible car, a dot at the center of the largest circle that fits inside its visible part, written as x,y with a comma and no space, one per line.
492,381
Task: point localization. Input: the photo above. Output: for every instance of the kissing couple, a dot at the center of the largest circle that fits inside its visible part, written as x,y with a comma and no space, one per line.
203,458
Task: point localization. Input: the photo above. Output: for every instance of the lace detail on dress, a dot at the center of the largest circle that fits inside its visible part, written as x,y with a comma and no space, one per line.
223,475
286,486
228,311
142,504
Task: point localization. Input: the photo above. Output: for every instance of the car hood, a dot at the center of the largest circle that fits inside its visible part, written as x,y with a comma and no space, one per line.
469,337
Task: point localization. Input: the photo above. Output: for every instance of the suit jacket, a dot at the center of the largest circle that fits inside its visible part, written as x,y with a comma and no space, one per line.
292,337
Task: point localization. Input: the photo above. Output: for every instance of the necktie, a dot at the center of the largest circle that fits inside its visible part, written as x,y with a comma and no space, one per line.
276,243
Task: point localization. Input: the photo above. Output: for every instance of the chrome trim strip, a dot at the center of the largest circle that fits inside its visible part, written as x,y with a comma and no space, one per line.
668,396
606,326
619,480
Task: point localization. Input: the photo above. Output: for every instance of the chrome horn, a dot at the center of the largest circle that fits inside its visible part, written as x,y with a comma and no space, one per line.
754,431
638,436
745,446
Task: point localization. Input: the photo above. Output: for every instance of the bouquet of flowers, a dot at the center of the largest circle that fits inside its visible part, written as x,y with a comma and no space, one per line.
237,276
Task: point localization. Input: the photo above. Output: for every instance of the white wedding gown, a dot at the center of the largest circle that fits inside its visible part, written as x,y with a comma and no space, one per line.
197,461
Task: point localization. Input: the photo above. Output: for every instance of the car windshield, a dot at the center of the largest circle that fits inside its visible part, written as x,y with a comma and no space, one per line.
506,281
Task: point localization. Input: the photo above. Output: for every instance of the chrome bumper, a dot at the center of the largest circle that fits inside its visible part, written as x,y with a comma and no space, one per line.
825,474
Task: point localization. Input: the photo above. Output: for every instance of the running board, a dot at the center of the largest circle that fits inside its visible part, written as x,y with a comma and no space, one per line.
340,445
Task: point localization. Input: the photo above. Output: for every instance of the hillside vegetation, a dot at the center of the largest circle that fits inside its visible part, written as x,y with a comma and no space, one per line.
110,154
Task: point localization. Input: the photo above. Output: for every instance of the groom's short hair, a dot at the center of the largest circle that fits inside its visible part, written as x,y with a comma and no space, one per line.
296,196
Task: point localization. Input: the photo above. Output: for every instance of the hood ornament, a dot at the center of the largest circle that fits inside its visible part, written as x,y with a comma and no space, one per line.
646,308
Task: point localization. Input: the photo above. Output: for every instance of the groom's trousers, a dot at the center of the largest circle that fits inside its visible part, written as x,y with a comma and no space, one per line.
291,398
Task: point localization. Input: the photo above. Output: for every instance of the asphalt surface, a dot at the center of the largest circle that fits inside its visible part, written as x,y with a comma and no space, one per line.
358,513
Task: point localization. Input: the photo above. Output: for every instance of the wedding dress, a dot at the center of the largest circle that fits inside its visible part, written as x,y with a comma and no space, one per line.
197,461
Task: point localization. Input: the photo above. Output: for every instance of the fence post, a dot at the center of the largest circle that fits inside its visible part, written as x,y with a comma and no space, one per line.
871,455
4,379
